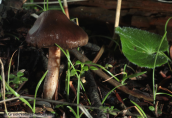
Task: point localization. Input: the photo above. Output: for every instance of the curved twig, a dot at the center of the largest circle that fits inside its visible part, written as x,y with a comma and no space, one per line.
101,51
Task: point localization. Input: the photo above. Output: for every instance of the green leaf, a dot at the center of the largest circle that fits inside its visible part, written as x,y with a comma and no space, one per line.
78,62
53,112
16,80
23,79
93,68
151,108
140,47
12,76
88,62
85,68
72,72
19,74
112,107
116,109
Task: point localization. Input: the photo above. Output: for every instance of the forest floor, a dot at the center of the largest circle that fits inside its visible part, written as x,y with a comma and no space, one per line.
28,64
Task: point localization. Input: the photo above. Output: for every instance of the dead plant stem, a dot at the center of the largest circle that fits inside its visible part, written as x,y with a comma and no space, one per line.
3,84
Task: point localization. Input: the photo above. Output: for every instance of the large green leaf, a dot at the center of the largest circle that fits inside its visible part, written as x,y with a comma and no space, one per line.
140,47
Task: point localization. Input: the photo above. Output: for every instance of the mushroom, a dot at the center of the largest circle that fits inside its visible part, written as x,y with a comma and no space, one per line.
54,27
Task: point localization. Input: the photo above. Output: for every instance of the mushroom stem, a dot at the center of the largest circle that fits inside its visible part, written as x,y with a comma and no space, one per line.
51,80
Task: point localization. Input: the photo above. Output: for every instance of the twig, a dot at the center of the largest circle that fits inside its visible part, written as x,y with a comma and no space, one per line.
156,108
113,82
101,51
165,89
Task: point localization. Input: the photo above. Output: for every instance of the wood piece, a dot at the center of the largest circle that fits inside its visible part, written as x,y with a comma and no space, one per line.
140,21
147,5
96,14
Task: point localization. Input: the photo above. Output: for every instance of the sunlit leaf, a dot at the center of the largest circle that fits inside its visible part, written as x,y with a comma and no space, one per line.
140,47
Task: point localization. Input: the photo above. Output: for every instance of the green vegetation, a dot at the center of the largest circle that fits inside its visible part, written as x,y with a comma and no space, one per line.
17,79
143,48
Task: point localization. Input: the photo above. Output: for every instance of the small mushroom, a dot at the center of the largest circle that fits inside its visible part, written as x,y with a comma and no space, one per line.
54,27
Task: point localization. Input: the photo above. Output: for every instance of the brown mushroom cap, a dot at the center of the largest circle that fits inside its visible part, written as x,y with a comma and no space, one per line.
54,27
